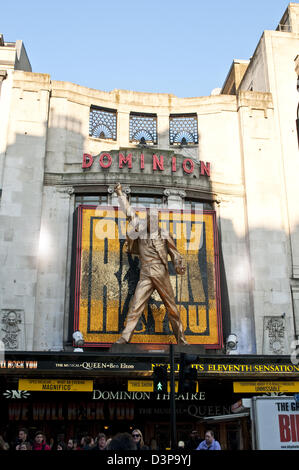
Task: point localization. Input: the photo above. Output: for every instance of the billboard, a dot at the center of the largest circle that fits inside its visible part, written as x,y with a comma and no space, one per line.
104,278
276,423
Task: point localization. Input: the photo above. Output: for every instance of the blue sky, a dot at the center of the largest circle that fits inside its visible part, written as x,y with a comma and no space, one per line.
160,46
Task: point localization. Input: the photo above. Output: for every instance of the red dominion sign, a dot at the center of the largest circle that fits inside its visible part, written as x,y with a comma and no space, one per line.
159,163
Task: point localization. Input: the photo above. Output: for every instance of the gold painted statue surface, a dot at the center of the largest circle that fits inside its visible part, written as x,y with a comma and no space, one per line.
152,246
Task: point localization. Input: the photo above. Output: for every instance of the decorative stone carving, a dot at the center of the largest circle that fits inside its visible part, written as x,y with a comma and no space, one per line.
175,192
69,190
125,189
13,329
174,197
274,335
3,75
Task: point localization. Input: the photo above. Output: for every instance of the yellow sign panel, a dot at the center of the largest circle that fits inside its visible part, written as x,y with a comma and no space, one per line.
148,386
140,386
55,385
106,277
266,387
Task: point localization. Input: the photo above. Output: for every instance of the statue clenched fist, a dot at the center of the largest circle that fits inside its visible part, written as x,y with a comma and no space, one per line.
118,189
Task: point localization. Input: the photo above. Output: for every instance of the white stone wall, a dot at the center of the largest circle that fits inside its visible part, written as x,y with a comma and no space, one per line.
280,50
22,184
51,302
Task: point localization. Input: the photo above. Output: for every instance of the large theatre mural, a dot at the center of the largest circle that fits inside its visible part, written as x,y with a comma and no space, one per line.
105,275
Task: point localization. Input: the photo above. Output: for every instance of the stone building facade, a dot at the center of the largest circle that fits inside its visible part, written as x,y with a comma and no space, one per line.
236,151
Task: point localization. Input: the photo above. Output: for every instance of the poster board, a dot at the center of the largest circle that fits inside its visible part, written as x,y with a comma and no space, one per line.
105,277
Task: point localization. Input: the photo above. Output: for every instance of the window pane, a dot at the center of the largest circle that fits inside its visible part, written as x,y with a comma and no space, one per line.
183,129
147,201
102,123
92,200
143,128
197,205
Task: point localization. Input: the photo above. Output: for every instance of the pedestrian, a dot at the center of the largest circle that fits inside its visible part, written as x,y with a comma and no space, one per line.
193,441
138,439
87,443
24,446
3,445
122,441
209,443
22,437
61,446
70,444
153,444
101,442
40,442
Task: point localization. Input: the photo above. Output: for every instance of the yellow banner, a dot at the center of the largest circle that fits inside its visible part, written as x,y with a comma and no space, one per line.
140,386
106,278
148,386
266,387
55,385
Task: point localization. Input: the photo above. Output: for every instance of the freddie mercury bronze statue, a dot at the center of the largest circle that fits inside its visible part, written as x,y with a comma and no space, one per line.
152,246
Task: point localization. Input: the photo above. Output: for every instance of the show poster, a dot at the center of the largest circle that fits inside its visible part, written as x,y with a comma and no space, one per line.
105,275
276,423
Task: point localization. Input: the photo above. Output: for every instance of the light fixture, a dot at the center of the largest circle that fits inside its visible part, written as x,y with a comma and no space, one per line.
2,351
142,142
183,142
78,340
231,344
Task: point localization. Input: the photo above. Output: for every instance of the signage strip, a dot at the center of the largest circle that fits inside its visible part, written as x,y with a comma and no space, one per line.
56,385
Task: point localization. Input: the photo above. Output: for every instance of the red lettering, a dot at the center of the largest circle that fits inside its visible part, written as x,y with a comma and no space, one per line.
25,412
173,167
293,428
157,162
297,425
103,163
72,411
87,160
120,412
38,411
284,428
100,411
125,160
185,167
205,168
142,161
90,413
14,411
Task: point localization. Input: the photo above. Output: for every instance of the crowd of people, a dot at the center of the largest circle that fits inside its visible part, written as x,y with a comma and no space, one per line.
120,441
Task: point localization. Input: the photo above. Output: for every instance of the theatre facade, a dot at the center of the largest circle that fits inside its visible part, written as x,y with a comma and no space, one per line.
222,171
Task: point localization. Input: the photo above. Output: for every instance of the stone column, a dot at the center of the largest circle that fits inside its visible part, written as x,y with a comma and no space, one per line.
175,198
163,131
3,75
112,196
51,300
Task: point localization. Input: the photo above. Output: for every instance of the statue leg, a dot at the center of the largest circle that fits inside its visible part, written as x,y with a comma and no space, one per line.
164,287
144,290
